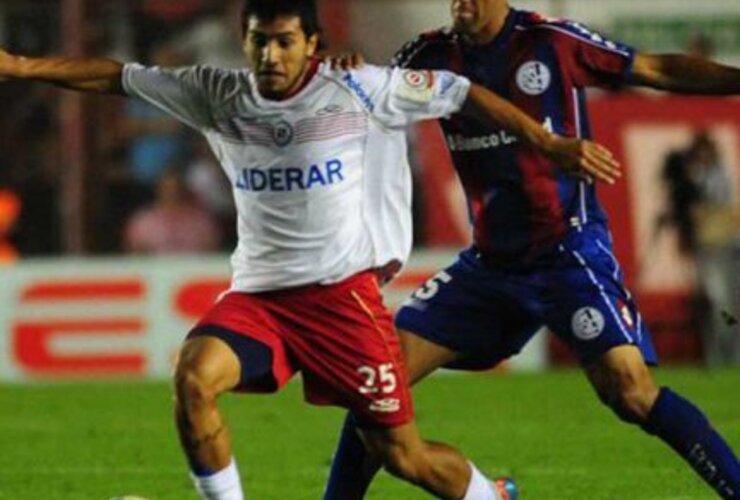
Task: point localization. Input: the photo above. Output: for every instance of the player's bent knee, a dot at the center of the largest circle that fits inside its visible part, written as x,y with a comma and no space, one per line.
196,382
206,367
192,389
634,404
624,383
632,396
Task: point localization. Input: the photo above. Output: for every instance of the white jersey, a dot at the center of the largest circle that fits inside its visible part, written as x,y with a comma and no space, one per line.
320,180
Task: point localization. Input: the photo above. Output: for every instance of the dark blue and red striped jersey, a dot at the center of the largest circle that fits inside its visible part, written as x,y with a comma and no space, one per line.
522,204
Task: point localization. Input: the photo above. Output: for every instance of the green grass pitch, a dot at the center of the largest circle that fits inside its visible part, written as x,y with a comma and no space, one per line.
97,441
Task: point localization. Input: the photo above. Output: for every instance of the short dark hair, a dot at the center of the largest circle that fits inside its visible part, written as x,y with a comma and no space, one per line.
269,10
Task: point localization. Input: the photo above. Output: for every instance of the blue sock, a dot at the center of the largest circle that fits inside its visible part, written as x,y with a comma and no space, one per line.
200,470
685,429
352,469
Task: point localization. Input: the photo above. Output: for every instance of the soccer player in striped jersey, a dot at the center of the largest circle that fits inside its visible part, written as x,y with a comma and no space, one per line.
317,161
542,251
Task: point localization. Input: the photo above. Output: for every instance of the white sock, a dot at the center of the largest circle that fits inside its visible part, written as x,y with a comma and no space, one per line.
223,485
479,488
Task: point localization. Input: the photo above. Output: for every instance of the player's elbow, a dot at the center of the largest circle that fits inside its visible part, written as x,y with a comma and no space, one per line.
662,71
109,87
474,104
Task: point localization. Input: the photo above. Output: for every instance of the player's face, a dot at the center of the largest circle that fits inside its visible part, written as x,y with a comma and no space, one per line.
278,51
473,16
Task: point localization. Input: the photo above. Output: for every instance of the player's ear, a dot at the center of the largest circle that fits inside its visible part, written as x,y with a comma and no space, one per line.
313,44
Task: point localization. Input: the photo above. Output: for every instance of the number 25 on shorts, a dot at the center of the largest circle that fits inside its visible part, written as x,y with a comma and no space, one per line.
382,380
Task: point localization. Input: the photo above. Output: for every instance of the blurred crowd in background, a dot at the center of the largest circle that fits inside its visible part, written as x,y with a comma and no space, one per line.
158,189
152,173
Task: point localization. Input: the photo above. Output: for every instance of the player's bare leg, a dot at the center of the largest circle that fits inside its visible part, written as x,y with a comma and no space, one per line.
439,469
402,450
353,468
207,367
423,357
625,384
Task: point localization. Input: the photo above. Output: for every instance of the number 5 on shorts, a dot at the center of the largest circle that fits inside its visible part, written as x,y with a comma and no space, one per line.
431,287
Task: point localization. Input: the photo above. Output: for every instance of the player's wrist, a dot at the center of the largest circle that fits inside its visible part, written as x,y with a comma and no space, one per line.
546,142
14,66
20,67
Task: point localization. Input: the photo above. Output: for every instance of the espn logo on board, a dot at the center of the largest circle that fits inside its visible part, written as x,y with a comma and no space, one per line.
102,327
71,327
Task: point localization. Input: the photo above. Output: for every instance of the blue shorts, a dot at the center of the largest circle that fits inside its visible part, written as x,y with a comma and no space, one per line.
488,314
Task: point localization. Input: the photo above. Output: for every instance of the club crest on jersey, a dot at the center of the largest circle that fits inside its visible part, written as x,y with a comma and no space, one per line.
587,323
282,133
533,78
417,86
418,79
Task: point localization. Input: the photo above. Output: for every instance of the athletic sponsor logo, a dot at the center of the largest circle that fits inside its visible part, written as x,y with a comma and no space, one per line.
282,133
331,109
387,405
290,178
587,323
533,78
359,91
459,142
701,462
592,36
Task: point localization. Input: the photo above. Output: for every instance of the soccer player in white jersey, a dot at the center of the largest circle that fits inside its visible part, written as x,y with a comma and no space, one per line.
317,160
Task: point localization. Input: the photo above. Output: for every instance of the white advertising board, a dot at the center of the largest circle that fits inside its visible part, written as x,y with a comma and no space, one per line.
126,317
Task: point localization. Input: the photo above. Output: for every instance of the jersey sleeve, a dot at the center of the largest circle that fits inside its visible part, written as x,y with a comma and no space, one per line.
189,94
410,55
427,51
400,97
596,60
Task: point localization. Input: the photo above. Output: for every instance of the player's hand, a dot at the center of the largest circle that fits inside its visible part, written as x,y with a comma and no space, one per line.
7,61
585,159
345,61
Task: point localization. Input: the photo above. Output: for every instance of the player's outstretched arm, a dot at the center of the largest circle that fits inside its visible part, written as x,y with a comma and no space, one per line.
579,157
685,74
87,75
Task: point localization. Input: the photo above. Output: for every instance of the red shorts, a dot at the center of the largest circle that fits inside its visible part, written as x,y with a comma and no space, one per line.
340,337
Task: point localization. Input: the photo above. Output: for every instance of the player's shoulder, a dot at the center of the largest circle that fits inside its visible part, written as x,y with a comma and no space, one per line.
561,30
536,22
424,48
367,74
218,82
205,73
362,83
